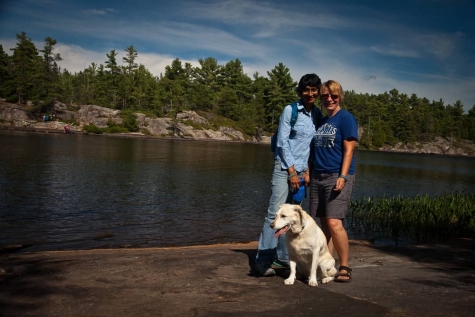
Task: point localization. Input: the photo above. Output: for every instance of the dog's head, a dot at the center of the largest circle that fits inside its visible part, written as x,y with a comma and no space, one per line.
288,217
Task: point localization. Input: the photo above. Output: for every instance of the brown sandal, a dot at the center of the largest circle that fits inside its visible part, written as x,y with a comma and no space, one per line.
348,274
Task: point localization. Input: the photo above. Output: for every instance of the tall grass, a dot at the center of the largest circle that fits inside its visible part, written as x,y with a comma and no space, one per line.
422,218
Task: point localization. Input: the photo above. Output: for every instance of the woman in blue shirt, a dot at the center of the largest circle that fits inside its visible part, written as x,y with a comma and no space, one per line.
290,164
333,172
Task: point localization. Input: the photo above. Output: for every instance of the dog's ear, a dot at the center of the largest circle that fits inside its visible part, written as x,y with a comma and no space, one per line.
299,210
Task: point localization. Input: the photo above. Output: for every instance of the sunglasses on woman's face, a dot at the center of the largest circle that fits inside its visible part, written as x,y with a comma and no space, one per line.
325,96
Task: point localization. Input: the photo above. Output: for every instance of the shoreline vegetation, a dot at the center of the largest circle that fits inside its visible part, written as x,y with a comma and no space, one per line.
420,219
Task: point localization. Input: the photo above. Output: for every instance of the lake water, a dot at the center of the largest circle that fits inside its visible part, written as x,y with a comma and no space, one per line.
62,192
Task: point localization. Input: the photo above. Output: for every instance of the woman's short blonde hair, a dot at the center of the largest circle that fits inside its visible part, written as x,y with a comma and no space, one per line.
334,88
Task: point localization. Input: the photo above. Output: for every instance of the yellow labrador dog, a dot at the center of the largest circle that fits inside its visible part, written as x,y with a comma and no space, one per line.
306,244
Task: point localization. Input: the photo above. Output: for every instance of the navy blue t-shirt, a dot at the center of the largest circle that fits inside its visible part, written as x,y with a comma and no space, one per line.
328,142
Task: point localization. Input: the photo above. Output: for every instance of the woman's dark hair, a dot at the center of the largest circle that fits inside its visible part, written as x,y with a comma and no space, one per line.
311,80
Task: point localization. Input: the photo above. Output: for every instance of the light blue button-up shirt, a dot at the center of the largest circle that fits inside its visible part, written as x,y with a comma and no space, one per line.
293,148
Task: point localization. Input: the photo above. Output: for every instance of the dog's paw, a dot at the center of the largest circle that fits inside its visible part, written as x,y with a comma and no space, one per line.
332,271
289,281
327,280
312,282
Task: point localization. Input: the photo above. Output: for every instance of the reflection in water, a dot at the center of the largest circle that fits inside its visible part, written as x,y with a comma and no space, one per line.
79,191
392,174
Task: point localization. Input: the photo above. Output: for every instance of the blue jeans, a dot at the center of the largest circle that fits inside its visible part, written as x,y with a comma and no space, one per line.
269,246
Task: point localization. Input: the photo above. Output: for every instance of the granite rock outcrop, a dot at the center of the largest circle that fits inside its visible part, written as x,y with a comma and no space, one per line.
19,116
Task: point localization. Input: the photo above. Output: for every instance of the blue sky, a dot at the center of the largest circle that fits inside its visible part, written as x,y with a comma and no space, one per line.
426,47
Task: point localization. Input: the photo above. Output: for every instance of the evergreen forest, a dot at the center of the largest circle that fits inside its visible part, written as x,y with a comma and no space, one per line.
32,74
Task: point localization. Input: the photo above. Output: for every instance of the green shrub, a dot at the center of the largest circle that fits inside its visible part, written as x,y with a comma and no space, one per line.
93,129
130,122
116,129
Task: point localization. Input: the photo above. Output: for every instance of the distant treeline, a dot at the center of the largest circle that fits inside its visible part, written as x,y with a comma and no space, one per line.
33,75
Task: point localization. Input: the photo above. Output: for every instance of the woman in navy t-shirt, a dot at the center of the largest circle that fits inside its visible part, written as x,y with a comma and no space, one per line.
333,172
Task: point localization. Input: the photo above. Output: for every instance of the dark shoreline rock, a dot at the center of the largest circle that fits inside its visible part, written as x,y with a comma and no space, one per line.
219,280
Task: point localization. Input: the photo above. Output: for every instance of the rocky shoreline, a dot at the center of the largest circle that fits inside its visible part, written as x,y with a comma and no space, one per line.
17,117
440,146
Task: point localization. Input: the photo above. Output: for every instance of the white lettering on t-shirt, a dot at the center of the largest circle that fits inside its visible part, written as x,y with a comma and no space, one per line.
325,135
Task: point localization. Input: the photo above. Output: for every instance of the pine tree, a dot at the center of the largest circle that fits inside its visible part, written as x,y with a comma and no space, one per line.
102,83
67,87
258,102
25,67
49,83
238,86
128,91
206,84
470,124
7,88
145,91
281,92
455,113
174,84
402,123
114,77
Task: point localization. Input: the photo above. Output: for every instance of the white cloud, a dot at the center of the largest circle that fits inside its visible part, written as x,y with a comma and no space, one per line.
156,63
76,59
395,51
442,45
100,12
264,17
187,36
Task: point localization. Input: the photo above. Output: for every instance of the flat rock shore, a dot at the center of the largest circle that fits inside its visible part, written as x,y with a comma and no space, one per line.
218,280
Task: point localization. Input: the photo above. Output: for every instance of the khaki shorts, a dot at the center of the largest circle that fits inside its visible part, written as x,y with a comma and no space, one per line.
324,201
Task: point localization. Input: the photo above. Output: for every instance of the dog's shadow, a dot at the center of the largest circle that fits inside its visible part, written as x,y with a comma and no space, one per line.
251,257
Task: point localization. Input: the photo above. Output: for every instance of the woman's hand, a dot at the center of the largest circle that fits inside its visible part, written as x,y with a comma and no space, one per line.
294,183
306,177
340,183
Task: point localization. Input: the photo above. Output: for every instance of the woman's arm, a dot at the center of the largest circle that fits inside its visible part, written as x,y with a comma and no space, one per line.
348,150
283,139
